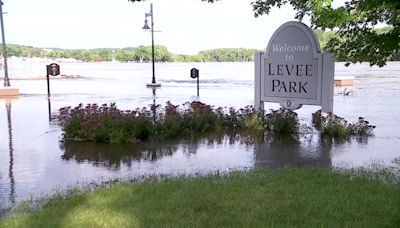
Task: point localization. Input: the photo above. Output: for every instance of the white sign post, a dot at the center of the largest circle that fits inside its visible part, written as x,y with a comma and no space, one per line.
293,71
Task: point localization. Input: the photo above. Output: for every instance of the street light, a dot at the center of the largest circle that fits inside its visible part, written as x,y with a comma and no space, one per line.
146,27
6,79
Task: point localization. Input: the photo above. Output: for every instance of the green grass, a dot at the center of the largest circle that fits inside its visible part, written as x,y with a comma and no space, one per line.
278,198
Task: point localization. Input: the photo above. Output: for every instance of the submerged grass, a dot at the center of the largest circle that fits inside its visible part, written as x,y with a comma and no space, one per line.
279,198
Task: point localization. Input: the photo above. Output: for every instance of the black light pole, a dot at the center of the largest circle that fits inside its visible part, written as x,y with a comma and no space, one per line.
6,79
146,27
153,79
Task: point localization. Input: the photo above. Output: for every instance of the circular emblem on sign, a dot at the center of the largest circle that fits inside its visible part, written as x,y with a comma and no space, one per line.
290,104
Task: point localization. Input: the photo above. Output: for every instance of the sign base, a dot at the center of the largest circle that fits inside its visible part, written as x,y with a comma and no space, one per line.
150,85
9,91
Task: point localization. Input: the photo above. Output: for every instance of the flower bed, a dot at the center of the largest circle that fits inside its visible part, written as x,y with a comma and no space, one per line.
107,123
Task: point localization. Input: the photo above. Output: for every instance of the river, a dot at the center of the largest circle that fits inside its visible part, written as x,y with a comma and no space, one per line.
34,163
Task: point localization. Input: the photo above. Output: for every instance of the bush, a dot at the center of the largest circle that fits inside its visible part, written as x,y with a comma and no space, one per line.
282,121
106,123
254,122
199,117
362,128
336,127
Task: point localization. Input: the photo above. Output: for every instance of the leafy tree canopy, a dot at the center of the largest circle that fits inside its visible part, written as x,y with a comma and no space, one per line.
356,40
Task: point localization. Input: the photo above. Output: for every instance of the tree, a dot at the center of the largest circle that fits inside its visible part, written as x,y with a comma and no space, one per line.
143,53
161,53
354,24
124,56
145,0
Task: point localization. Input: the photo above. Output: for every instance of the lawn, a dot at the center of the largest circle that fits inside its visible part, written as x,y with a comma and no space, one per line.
285,197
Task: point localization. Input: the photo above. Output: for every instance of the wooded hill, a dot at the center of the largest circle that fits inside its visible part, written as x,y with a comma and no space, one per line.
143,53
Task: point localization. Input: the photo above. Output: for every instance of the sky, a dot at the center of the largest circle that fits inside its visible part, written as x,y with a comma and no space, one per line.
184,26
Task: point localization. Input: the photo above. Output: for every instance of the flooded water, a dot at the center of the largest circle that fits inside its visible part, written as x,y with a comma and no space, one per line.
34,163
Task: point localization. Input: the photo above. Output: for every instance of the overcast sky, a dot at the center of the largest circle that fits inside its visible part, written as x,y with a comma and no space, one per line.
187,26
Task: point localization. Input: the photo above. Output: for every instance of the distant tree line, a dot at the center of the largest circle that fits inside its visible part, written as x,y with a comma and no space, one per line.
138,54
161,53
101,54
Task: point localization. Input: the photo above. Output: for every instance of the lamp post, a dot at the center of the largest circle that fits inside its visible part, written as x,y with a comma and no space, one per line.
6,79
146,27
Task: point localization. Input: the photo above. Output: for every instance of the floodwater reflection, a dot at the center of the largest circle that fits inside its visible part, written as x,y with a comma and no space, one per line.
268,152
113,156
292,150
10,146
7,186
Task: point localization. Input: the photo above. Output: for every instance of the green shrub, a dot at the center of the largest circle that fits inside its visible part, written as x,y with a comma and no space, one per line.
362,128
333,126
200,117
282,121
254,122
106,123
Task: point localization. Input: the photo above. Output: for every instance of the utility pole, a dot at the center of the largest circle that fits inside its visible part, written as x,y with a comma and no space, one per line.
146,27
6,79
153,80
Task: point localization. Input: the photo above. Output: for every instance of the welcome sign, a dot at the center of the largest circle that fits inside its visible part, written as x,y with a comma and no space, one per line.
293,71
